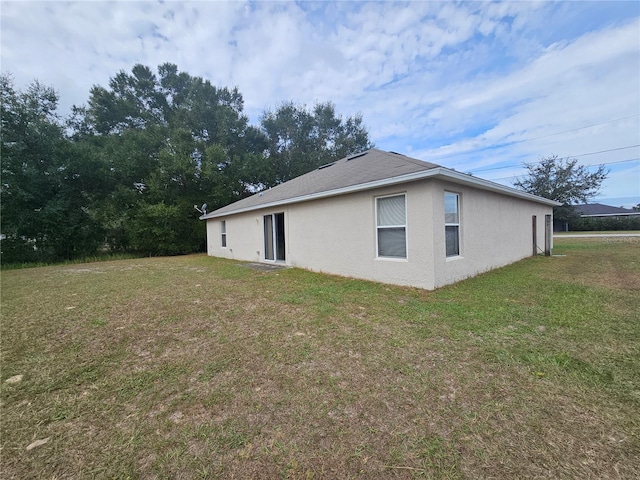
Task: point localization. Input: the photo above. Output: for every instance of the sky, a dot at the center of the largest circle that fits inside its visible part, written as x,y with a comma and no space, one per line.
481,87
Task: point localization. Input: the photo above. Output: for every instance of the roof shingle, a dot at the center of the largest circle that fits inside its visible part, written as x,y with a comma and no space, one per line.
366,167
370,169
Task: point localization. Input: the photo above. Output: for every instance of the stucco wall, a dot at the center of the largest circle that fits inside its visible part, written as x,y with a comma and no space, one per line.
338,234
244,237
495,230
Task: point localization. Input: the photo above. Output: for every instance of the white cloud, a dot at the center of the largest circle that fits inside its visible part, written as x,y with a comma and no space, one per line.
585,82
433,79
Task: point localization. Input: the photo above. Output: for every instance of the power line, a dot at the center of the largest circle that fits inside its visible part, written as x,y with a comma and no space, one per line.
571,156
581,128
604,163
436,157
619,161
605,151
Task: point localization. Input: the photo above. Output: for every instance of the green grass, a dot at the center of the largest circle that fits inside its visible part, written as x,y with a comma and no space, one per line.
195,367
106,257
598,232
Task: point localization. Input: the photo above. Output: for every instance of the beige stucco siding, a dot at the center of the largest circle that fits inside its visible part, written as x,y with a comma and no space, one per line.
337,234
495,230
244,237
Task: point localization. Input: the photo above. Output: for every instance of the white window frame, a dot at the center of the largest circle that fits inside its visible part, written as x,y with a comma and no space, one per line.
378,228
223,233
452,224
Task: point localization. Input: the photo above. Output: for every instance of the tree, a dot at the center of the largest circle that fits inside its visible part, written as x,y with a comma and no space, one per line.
169,140
300,140
125,170
171,99
562,180
46,181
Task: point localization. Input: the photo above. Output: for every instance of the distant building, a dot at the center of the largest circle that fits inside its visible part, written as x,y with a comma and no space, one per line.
600,210
596,216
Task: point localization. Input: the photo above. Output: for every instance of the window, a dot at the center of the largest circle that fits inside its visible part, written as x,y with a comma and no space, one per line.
391,220
452,223
223,233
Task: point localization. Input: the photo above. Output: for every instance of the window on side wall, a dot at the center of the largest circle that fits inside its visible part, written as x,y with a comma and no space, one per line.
391,226
452,223
223,233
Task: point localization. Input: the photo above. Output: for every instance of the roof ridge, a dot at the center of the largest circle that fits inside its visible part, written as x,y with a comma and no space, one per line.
388,153
415,161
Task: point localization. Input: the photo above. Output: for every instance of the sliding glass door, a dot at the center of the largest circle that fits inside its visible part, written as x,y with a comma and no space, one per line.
274,247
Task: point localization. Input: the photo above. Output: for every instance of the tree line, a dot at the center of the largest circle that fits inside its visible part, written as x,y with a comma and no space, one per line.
123,172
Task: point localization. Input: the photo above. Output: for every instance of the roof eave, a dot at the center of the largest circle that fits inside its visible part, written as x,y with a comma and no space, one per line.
466,179
328,193
438,172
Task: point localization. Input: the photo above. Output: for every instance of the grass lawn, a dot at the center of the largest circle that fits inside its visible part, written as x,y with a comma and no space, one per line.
598,232
195,367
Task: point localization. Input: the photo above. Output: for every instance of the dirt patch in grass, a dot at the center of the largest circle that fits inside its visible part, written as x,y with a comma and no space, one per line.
263,267
192,367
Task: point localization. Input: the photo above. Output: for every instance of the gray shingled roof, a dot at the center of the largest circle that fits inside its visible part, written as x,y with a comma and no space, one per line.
596,209
370,169
369,166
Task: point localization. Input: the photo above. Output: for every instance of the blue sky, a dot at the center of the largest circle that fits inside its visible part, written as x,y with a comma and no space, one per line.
482,87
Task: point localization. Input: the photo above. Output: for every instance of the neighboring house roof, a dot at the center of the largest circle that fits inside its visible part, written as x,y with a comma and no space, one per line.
600,210
370,169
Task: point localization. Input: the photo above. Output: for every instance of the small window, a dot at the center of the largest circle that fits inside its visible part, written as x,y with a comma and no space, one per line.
391,226
452,223
223,233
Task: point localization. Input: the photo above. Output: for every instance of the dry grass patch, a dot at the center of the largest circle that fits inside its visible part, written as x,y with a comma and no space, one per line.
191,367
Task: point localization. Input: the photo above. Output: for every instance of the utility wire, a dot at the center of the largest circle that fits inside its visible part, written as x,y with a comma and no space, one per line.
436,157
605,151
570,156
605,163
581,128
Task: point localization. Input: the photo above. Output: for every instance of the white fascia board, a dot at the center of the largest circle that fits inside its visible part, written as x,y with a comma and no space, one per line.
438,172
466,179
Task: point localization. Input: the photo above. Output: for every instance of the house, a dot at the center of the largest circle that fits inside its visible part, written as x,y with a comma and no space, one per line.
592,210
385,217
596,216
